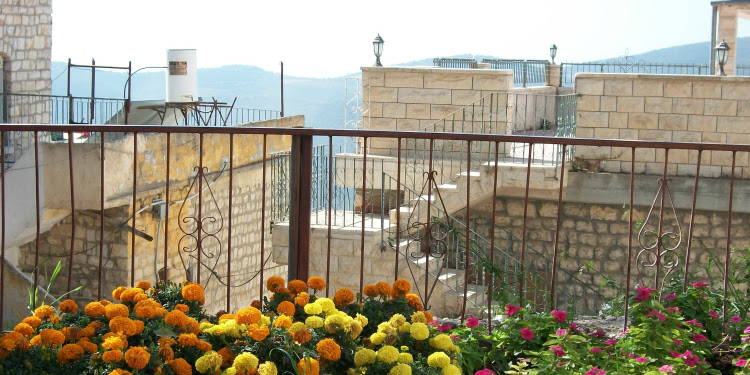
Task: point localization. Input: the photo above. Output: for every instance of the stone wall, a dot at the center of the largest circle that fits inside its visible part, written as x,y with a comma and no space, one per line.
26,46
675,108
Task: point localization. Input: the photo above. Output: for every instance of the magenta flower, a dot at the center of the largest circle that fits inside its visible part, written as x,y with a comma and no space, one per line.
472,322
526,334
656,314
667,369
560,316
691,360
674,309
595,371
643,294
741,363
674,354
735,319
695,323
670,297
712,314
456,338
747,330
485,372
557,349
574,328
697,337
562,332
610,342
678,342
510,310
444,327
700,284
641,359
595,350
599,333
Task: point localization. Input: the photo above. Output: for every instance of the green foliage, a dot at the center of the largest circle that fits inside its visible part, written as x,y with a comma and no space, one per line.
34,300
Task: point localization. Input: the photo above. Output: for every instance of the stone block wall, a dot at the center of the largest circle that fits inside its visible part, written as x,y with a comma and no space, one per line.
677,108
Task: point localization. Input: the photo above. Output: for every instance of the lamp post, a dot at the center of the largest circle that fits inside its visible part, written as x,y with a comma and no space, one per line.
377,45
722,54
553,52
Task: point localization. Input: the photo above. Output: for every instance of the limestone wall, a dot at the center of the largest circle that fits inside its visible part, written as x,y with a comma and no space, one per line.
676,108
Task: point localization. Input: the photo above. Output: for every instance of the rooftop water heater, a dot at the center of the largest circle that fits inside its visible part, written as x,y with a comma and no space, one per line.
182,76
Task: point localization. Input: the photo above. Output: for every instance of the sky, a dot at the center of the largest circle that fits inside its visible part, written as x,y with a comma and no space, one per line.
333,38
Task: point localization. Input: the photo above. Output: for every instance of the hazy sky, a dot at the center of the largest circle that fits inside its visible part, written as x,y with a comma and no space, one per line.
333,38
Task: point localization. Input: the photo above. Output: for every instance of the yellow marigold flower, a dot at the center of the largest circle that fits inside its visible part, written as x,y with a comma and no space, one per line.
122,325
370,291
112,356
343,297
94,309
118,292
275,284
334,323
400,369
308,366
33,321
438,359
129,294
397,320
114,343
192,292
302,336
267,368
420,331
180,367
316,283
265,320
313,322
364,357
388,354
137,357
451,370
297,286
383,288
377,338
24,329
182,307
248,315
418,317
87,345
296,326
187,339
166,353
362,319
401,287
326,304
354,327
406,327
286,307
302,299
144,285
387,328
328,349
114,310
405,358
282,321
441,342
313,309
44,311
69,353
52,337
210,361
68,306
257,332
245,362
176,318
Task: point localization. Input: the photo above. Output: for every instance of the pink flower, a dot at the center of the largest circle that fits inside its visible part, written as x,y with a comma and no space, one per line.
712,314
667,369
747,330
695,322
691,360
561,332
741,363
444,327
560,316
735,319
700,284
557,349
595,371
670,297
610,342
656,313
456,338
510,310
643,294
674,309
472,322
595,350
641,359
526,334
678,342
599,333
697,337
574,328
674,354
485,372
433,323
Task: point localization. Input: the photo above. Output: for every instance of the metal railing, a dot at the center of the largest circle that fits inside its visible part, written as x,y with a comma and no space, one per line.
455,63
525,72
569,70
552,220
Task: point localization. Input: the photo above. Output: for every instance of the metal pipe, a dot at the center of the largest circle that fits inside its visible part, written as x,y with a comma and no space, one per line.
555,251
72,211
728,252
692,220
263,219
135,214
630,234
229,218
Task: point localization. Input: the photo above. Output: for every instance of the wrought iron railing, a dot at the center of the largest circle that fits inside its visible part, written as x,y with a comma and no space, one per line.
455,63
569,70
525,72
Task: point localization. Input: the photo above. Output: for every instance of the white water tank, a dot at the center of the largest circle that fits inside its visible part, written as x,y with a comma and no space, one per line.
182,76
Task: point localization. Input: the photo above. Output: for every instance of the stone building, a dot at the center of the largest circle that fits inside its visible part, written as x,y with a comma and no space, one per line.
26,46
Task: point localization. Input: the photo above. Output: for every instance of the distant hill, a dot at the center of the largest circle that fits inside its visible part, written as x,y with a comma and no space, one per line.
696,53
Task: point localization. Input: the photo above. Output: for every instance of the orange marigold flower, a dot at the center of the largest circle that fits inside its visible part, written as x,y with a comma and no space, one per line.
180,367
137,357
72,333
226,357
176,318
316,283
112,356
302,299
104,302
412,299
118,292
256,303
87,345
122,325
119,371
203,346
370,291
54,319
257,331
401,287
52,337
275,284
308,366
226,317
114,310
248,315
147,312
282,321
328,349
138,326
145,285
343,296
192,292
94,309
428,316
129,294
286,307
69,353
68,306
297,286
167,341
302,336
12,341
182,307
192,325
187,339
166,353
114,342
140,297
24,329
44,311
33,321
383,288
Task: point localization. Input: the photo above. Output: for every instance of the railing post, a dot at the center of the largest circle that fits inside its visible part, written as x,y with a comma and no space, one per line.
299,207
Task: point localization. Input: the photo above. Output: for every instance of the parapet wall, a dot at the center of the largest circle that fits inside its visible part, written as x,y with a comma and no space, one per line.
679,108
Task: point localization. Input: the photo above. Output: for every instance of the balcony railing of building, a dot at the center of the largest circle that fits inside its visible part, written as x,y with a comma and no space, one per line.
648,243
455,63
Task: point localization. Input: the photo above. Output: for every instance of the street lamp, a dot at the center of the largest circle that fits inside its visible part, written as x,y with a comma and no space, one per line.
377,44
722,54
553,52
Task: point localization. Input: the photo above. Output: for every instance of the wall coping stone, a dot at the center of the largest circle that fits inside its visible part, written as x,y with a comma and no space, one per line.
487,72
663,77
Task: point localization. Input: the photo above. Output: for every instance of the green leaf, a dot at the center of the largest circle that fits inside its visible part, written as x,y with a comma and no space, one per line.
165,332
